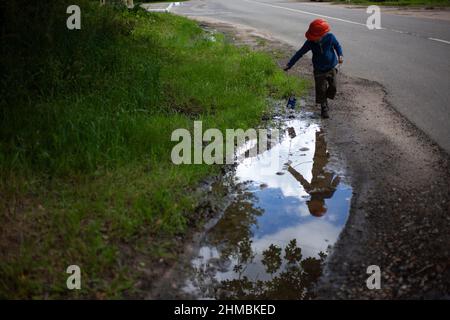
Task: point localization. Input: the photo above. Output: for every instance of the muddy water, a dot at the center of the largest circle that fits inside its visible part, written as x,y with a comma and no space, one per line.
273,239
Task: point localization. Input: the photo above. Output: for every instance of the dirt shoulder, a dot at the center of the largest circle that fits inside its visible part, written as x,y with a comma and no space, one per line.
399,217
435,13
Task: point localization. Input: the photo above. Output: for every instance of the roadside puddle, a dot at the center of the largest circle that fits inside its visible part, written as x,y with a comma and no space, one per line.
273,239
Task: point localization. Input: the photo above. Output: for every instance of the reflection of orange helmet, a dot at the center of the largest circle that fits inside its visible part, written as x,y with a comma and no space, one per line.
317,207
317,29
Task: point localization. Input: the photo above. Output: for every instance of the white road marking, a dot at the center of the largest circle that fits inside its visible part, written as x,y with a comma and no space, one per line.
440,40
169,7
337,19
306,12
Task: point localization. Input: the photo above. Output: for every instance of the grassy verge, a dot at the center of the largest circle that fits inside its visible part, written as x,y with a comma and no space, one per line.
86,120
400,3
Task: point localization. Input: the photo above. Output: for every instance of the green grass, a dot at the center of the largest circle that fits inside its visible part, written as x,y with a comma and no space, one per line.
421,3
86,120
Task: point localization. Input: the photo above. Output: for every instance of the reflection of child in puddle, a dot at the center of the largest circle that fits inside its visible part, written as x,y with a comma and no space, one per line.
323,183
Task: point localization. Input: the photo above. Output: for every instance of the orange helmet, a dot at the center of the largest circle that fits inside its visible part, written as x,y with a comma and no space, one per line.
317,29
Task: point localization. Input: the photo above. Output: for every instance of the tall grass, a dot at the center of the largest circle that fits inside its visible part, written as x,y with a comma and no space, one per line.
85,127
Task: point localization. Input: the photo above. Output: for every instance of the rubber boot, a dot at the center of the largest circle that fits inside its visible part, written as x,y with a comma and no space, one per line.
324,110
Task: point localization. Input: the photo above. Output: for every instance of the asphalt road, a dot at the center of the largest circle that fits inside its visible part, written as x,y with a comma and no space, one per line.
410,56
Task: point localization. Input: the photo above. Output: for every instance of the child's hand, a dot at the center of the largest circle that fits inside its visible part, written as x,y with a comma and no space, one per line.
341,59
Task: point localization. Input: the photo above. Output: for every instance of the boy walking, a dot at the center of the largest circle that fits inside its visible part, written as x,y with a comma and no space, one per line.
324,47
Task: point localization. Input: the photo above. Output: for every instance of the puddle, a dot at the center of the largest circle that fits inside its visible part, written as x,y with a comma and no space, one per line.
273,239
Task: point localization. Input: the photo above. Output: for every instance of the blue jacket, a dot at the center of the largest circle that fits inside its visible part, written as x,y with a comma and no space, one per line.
324,56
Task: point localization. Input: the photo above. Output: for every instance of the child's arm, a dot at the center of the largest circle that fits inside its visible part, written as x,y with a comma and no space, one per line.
337,47
300,53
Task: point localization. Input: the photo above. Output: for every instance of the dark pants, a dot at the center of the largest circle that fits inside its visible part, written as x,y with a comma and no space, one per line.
326,85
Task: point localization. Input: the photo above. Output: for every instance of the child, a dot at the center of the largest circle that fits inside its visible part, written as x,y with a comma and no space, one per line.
323,46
